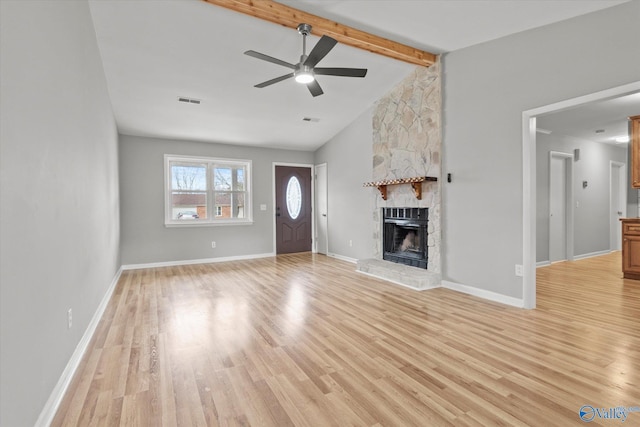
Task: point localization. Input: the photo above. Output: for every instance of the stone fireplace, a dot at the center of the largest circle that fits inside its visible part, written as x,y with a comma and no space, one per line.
407,144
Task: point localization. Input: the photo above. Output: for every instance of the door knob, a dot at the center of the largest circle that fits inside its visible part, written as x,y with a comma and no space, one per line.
324,214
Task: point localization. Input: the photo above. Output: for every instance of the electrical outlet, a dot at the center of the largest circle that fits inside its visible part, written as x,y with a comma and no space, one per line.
350,243
519,271
213,245
69,319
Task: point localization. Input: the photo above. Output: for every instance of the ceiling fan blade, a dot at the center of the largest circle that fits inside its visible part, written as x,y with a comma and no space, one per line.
342,72
269,59
320,50
276,80
314,88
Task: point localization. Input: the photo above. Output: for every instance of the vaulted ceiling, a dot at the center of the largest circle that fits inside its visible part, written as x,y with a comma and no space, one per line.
155,52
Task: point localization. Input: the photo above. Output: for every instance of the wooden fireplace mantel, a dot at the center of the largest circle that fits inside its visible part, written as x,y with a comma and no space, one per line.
416,184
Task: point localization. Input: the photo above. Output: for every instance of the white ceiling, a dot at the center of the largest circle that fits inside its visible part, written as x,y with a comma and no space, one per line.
609,116
155,51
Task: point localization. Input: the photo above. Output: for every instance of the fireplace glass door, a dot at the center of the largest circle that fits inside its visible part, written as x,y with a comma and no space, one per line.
405,236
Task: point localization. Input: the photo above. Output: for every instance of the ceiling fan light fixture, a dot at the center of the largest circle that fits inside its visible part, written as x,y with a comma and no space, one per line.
304,77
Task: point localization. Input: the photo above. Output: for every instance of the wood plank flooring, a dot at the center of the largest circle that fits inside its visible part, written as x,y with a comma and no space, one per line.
304,340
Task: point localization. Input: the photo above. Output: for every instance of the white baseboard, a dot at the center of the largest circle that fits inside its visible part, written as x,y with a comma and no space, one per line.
195,261
481,293
591,255
577,257
51,407
343,258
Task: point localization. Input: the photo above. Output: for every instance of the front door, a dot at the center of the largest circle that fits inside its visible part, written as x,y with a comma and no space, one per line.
293,209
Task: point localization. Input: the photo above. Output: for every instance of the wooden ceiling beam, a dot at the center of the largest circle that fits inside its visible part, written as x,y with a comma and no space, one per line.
289,17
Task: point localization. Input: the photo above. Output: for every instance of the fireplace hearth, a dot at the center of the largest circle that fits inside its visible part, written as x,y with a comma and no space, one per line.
405,236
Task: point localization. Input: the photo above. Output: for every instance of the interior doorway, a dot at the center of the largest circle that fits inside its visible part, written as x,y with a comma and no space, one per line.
293,209
560,206
618,203
321,209
529,178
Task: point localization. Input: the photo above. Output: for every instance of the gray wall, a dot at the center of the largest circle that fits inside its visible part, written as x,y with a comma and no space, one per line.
145,239
591,218
348,156
59,206
486,89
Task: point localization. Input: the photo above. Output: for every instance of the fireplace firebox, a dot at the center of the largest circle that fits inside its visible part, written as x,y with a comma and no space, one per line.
404,236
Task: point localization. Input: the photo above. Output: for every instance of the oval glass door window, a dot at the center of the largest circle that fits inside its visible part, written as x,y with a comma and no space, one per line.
294,197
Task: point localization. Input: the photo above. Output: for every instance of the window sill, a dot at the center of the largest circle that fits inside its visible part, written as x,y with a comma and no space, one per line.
206,223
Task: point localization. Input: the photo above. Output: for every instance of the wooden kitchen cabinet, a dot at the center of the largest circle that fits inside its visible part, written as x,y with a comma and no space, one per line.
635,151
631,248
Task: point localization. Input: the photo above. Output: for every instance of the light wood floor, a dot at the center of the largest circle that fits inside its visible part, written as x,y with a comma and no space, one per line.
304,340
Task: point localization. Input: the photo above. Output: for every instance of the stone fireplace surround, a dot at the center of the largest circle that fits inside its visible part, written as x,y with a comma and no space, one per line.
407,143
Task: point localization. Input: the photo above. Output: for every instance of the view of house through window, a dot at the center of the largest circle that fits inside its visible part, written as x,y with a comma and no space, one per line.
198,187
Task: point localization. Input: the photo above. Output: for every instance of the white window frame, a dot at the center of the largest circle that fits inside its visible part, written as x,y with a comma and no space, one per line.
212,219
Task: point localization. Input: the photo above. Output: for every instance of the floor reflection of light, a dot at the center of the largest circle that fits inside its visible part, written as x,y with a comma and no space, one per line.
225,309
623,371
296,309
192,325
223,324
231,323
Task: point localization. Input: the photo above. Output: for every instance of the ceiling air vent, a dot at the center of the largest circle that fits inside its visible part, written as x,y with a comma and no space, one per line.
310,119
188,100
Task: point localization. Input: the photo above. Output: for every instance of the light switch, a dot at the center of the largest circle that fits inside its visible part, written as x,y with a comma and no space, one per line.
263,207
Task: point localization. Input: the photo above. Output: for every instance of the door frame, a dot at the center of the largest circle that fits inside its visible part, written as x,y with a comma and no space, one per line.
568,202
315,182
622,198
529,179
274,201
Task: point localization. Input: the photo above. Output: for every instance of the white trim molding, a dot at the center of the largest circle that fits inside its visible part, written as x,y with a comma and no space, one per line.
343,258
56,396
196,261
592,254
484,294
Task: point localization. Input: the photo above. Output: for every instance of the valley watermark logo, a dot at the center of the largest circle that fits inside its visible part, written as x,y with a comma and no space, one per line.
589,413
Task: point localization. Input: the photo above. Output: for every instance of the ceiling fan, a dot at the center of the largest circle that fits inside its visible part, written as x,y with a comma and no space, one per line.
305,71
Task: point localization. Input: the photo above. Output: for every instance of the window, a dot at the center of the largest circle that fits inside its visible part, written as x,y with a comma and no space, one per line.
207,191
294,197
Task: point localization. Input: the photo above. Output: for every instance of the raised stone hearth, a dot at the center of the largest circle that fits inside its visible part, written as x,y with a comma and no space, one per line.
411,277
